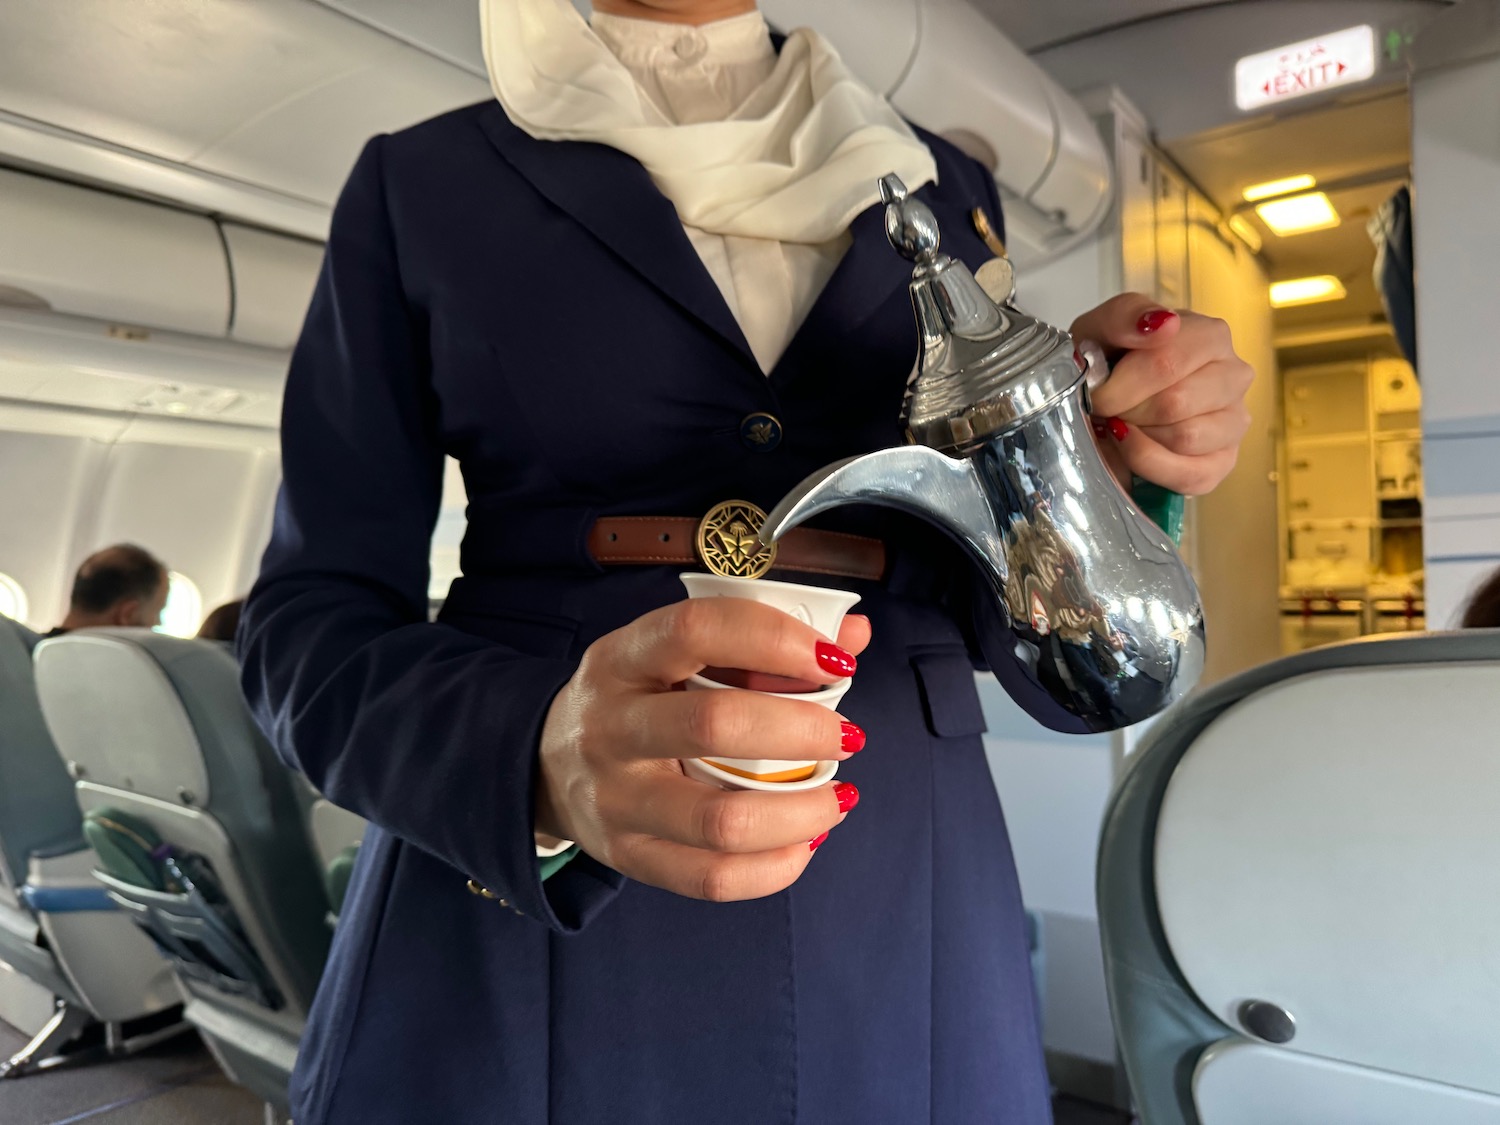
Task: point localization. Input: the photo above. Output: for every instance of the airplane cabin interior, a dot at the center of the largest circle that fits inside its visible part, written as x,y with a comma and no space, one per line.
1273,903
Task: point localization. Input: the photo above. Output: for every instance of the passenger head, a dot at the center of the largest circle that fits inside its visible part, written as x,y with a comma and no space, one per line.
222,622
120,586
1483,610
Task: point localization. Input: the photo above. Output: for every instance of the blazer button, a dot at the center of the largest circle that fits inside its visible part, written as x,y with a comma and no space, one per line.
760,432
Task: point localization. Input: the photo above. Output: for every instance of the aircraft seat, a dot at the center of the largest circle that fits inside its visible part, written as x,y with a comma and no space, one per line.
166,752
1299,892
57,927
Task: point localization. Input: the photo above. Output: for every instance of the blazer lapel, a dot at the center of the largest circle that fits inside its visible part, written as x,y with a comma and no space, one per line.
864,282
611,195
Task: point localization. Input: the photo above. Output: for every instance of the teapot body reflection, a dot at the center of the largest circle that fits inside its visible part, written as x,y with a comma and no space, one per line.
1083,593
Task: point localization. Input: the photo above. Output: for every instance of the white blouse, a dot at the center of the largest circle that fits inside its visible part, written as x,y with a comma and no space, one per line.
697,74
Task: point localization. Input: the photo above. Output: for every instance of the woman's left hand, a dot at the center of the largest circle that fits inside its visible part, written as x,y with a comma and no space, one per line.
1173,411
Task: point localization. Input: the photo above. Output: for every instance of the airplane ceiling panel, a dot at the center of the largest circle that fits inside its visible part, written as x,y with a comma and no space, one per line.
276,92
166,78
1331,144
1035,26
309,142
876,37
448,29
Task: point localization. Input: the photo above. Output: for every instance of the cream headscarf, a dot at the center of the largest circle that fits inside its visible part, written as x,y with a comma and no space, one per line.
796,163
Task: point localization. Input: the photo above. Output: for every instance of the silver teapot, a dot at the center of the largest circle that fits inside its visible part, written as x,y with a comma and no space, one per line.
1097,607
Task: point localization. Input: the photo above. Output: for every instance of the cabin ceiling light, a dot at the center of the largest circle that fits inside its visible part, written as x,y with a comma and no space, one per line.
1272,188
1307,291
1299,214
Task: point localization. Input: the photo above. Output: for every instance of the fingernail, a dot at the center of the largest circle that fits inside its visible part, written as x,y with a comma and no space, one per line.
1153,321
851,737
814,845
834,660
848,796
1118,429
1099,428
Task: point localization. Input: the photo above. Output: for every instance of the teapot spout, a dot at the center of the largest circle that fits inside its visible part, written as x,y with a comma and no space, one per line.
945,491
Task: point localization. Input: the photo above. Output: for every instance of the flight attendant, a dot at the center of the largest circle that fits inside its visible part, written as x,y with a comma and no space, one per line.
648,278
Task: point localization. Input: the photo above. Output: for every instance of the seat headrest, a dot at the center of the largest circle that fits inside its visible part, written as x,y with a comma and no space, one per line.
119,716
38,813
1344,821
16,645
1163,1023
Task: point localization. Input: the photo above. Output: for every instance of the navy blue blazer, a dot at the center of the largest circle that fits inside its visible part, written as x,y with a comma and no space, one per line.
535,310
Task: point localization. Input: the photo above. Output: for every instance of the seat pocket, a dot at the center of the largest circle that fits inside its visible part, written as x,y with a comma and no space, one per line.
950,697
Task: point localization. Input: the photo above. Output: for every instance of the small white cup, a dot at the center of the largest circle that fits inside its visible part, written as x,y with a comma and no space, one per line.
818,606
772,773
704,769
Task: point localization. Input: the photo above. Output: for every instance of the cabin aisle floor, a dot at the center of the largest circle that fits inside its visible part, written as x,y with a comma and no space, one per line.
173,1083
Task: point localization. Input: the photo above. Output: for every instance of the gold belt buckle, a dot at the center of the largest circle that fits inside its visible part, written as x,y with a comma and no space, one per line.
728,541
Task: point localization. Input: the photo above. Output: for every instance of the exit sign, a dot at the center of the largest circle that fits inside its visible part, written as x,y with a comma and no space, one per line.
1340,58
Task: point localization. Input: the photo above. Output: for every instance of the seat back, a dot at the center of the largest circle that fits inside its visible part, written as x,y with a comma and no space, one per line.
38,814
56,925
1299,888
156,729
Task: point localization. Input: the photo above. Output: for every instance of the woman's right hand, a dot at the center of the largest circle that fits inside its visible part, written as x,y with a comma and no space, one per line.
610,777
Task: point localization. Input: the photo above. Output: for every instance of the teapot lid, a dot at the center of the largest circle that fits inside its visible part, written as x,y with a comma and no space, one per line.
984,366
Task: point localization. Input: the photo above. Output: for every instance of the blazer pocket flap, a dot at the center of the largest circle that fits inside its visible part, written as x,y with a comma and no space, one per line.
950,698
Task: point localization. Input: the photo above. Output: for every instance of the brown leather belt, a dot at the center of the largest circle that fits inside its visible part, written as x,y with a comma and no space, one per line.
625,540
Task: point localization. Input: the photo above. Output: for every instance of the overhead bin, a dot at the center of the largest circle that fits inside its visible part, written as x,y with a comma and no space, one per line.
945,66
273,282
90,253
270,141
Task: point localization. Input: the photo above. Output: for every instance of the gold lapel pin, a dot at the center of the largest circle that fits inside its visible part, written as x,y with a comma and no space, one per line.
986,230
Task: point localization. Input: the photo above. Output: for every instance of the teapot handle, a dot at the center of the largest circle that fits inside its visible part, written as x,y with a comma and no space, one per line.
1096,368
1160,505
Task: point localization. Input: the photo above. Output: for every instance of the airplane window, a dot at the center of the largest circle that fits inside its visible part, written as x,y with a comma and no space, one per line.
12,599
184,609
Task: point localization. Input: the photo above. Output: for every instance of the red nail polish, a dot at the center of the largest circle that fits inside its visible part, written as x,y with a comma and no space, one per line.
814,845
851,738
834,660
1153,321
848,796
1118,429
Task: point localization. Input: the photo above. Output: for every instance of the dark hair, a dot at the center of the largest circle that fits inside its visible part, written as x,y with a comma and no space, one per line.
115,574
222,622
1483,610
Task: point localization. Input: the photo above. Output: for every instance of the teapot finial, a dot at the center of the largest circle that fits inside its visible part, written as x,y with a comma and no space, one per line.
909,223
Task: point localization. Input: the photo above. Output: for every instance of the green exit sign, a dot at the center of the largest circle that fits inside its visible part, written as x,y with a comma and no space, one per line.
1396,44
